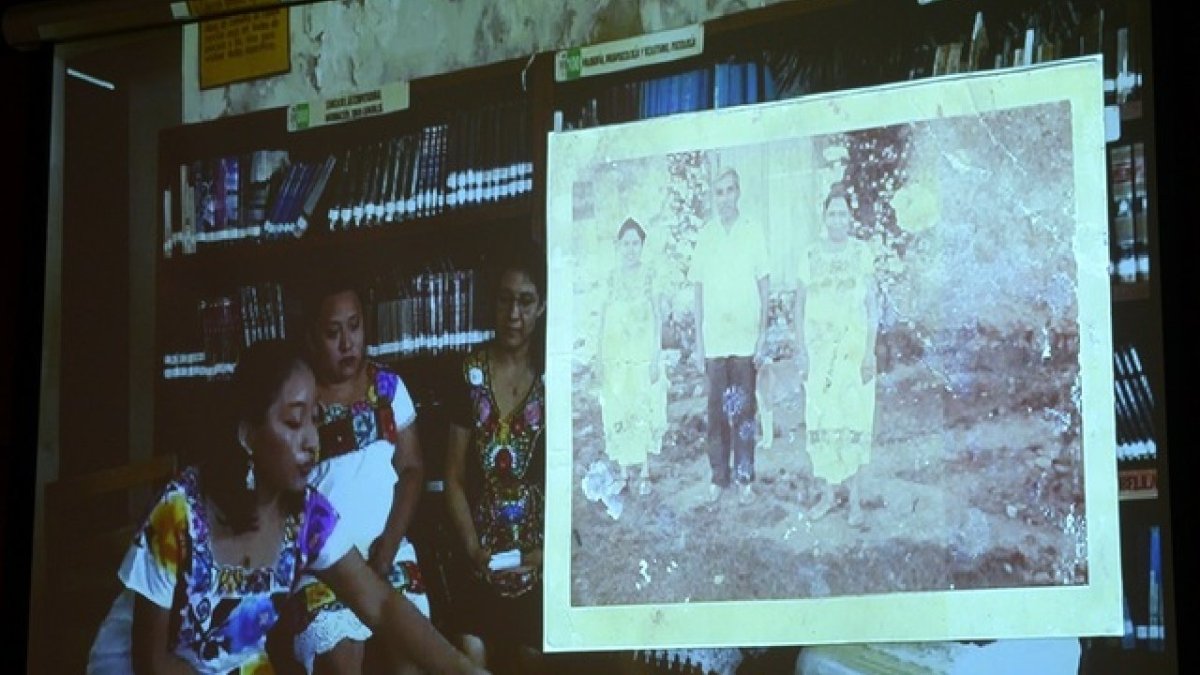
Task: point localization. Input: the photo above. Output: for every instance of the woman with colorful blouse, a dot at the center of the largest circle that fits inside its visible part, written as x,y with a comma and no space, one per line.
495,470
633,379
212,567
838,320
370,469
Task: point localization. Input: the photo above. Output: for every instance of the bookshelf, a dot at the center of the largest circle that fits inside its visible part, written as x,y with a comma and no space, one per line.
412,201
417,256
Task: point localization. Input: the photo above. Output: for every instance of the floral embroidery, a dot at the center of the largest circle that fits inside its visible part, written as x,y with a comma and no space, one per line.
533,415
385,384
368,419
222,613
508,513
162,531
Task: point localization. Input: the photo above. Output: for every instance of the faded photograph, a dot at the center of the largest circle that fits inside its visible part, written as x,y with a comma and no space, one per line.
845,365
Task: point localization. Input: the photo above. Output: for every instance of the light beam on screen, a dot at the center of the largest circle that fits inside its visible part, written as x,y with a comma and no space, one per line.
91,79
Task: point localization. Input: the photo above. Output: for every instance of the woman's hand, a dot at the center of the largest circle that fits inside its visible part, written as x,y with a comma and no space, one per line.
382,555
480,558
391,617
760,352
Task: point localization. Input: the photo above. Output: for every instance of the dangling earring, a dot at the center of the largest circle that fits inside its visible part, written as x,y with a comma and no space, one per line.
250,482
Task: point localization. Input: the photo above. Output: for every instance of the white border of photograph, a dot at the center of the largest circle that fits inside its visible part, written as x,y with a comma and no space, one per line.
1092,608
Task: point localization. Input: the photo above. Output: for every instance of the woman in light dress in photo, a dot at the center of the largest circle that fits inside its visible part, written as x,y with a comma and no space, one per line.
633,393
837,319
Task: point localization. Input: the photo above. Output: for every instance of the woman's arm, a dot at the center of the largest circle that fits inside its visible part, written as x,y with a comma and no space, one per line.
873,316
149,641
456,497
392,617
410,472
798,305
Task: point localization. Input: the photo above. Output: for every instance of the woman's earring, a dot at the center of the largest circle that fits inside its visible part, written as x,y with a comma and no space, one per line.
250,482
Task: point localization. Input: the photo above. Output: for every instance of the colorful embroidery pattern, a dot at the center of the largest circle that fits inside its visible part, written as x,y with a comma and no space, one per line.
221,614
346,428
509,511
405,576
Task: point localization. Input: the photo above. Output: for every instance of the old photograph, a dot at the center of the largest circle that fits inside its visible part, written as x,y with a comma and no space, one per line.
821,368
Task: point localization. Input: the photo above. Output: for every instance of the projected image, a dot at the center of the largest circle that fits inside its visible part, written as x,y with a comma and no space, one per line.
837,365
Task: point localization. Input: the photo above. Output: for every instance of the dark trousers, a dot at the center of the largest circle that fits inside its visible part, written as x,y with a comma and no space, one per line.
731,414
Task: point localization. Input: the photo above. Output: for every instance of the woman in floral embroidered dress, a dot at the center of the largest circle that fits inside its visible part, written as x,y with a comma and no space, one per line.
212,566
633,379
495,468
837,320
370,469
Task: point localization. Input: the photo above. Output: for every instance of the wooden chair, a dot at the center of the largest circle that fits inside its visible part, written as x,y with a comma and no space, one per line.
90,521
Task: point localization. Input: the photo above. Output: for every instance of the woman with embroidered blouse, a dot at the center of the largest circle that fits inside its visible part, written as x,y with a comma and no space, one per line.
633,379
495,469
211,568
370,469
838,318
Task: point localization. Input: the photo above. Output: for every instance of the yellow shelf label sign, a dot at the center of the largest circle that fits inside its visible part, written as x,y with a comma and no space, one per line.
241,46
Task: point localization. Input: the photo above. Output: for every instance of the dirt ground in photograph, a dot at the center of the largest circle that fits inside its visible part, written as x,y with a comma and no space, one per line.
971,484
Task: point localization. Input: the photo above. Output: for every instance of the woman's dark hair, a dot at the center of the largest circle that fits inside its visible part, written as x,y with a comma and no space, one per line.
838,190
528,258
321,286
261,371
631,224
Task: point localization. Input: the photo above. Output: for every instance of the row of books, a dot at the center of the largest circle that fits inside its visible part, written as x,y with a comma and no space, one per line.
478,156
1129,204
429,313
724,84
262,194
1135,404
1048,32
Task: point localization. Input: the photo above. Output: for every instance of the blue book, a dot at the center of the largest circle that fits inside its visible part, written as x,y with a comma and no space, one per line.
751,81
687,91
665,89
1157,628
737,91
720,83
231,178
283,199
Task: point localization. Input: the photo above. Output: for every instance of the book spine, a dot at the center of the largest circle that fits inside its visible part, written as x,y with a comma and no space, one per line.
441,167
1121,183
187,210
315,194
391,209
168,226
1156,630
1141,212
